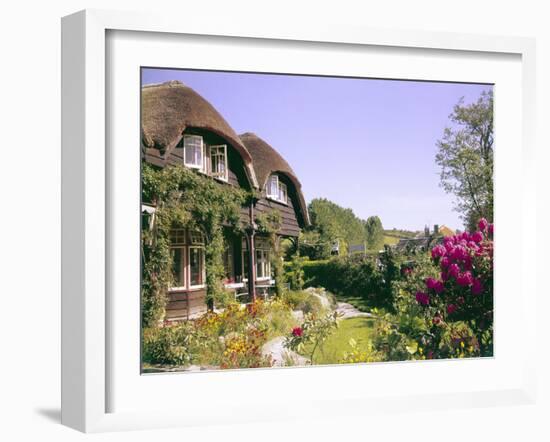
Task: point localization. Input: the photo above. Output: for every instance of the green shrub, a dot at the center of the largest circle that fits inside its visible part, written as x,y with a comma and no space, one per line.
294,272
366,277
168,345
305,301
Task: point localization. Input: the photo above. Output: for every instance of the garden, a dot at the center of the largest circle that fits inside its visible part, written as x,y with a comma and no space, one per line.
424,306
331,304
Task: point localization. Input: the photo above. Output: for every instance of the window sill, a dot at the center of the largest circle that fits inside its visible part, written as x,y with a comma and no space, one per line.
193,288
277,201
177,289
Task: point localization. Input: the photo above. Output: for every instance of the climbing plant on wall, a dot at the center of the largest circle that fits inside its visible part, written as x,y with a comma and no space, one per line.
184,198
270,224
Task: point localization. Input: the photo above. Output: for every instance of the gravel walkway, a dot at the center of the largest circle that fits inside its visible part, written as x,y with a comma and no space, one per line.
282,355
349,311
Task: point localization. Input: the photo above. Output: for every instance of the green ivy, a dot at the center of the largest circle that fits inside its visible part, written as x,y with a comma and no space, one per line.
270,224
184,198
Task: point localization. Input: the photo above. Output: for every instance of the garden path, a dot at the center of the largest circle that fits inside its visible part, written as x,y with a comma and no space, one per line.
282,356
349,311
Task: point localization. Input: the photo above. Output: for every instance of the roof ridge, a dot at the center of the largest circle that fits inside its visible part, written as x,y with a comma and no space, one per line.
169,83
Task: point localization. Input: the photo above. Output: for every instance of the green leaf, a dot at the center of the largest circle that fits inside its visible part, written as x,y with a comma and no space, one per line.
412,347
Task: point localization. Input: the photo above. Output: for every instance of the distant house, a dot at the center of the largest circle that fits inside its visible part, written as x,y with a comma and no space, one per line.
446,231
180,127
423,241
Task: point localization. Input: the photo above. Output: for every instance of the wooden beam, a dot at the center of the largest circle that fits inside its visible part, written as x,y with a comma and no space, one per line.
250,234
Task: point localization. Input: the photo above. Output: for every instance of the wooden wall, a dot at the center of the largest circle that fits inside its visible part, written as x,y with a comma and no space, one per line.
290,212
183,304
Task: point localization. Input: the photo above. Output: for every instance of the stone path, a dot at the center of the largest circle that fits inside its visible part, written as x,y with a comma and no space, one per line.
347,311
281,355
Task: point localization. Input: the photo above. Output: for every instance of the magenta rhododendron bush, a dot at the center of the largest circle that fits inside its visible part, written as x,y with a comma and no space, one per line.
464,290
443,301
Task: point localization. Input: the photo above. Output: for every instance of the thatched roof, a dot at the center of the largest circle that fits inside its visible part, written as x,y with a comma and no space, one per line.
169,108
266,160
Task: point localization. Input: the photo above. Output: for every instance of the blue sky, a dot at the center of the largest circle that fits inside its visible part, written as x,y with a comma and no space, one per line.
365,144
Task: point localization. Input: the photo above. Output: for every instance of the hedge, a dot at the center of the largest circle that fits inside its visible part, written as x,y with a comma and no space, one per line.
356,276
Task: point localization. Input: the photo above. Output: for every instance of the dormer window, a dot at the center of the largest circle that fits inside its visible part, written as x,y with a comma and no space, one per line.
276,190
218,162
193,151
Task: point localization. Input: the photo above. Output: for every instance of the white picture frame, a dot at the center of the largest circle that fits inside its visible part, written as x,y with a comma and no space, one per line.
87,210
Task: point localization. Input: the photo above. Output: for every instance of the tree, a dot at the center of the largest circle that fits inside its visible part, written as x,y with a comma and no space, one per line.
465,156
331,223
374,232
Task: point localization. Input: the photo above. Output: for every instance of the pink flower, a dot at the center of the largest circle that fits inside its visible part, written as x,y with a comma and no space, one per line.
454,270
491,229
482,224
451,308
477,237
459,253
477,287
297,331
422,298
468,263
444,276
464,279
434,284
445,262
438,251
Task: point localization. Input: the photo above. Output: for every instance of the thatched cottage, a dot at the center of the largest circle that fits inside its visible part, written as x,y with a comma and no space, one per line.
180,127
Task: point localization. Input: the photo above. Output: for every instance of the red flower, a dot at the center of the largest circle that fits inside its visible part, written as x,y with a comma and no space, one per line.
297,331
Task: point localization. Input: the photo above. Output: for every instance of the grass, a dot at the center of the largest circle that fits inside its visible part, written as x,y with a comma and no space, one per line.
390,240
337,344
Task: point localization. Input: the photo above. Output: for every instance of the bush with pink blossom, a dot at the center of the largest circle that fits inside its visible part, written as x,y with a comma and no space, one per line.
443,302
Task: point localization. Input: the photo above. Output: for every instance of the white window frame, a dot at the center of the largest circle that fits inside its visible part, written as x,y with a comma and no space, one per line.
181,243
213,173
269,187
198,286
202,150
265,264
281,188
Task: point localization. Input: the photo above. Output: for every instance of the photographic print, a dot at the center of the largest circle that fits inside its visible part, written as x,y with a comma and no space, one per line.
300,220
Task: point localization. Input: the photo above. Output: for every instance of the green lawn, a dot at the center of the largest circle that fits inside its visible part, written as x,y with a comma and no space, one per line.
337,344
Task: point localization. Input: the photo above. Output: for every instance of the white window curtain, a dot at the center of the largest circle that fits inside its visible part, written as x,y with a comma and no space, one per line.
193,151
273,187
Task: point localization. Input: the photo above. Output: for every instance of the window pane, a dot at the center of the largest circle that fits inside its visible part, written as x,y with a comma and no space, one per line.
228,261
282,192
193,150
259,264
272,186
245,263
196,258
177,267
218,161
